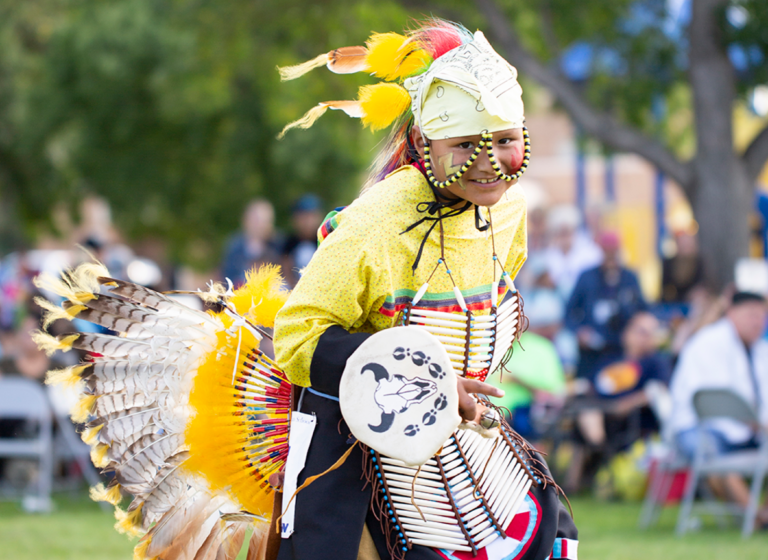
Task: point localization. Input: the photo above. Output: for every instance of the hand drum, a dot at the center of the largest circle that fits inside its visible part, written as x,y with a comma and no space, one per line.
398,394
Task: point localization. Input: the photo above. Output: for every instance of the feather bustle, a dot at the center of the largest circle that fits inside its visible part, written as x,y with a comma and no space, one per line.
52,344
83,408
257,548
111,494
232,543
128,522
70,376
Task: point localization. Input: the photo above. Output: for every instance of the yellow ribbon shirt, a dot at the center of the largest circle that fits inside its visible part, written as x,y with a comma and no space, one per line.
361,276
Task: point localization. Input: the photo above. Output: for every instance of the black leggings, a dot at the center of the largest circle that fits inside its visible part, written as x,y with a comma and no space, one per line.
330,513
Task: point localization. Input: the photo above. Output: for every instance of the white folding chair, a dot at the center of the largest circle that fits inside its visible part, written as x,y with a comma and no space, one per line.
721,403
24,399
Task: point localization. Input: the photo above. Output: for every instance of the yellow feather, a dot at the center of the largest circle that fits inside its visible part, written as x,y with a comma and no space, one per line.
262,295
54,312
382,104
129,522
69,377
392,56
50,344
298,70
85,278
89,435
385,51
99,455
65,287
306,121
100,494
82,409
140,550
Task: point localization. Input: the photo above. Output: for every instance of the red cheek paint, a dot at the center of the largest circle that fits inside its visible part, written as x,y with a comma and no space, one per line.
516,160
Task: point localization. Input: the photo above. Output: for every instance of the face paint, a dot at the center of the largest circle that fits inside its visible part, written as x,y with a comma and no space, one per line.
516,160
449,168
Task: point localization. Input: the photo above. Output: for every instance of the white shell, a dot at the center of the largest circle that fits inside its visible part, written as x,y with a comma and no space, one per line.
398,394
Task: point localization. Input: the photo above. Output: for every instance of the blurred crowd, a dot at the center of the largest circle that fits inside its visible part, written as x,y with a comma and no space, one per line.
257,242
602,371
599,369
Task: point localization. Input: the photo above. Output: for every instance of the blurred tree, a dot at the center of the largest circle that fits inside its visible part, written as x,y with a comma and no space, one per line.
640,77
170,110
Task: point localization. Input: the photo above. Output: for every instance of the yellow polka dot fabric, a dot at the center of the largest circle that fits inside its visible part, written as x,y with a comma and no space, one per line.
361,276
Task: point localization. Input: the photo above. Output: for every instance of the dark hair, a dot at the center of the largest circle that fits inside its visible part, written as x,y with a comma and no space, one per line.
744,297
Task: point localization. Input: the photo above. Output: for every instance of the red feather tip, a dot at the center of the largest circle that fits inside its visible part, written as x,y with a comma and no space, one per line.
438,36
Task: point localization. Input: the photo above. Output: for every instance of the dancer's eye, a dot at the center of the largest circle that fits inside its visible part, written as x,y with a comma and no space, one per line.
466,145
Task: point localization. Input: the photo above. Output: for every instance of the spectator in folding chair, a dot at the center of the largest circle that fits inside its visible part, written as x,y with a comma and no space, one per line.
617,411
728,354
21,358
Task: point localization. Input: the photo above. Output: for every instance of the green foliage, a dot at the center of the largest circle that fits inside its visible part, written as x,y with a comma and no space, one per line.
752,36
638,68
170,110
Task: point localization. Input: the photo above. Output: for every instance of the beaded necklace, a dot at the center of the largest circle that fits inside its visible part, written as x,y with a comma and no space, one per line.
471,340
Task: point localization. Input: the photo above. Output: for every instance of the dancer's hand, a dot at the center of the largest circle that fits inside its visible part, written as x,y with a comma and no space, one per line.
468,406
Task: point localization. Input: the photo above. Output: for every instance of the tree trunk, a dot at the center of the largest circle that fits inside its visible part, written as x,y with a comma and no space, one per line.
722,192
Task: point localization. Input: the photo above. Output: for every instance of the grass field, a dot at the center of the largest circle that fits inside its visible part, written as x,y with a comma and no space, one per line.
79,530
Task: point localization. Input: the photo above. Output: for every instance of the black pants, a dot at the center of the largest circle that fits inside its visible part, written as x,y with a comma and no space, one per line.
330,513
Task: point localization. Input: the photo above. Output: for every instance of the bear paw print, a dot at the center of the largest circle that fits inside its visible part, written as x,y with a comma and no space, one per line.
441,402
436,371
411,430
430,417
400,353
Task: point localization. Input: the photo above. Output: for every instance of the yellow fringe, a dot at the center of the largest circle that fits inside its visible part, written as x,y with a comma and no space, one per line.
85,278
262,295
100,494
306,121
99,455
298,70
50,344
54,312
140,550
89,435
83,408
382,104
69,377
75,285
129,522
62,287
206,434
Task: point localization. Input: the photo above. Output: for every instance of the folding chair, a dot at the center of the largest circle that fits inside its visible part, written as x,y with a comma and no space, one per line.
668,460
721,403
67,445
24,399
